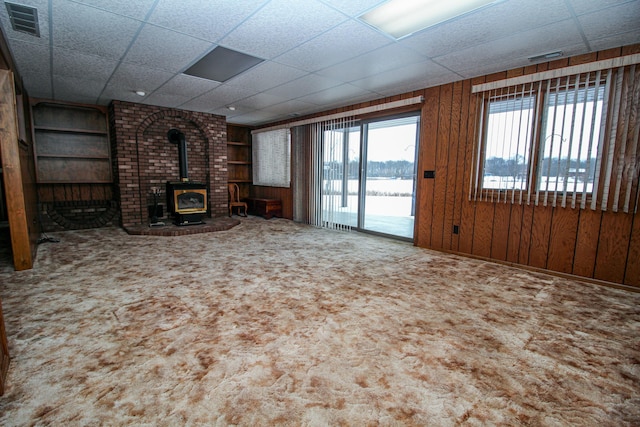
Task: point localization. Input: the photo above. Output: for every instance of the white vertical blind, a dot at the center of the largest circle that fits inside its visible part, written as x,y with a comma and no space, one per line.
569,141
328,140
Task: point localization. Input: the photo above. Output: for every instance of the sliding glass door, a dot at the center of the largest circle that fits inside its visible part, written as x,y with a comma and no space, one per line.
369,172
388,180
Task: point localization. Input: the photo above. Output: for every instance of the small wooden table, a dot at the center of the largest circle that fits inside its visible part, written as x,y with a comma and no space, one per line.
267,208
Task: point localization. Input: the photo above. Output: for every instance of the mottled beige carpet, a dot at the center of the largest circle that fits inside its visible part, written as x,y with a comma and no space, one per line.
277,323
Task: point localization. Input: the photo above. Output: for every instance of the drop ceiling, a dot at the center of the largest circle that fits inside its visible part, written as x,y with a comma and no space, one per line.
317,55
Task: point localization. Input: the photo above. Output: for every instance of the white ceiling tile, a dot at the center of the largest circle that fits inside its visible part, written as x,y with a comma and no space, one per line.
354,8
622,39
137,9
90,30
266,76
164,49
517,47
581,7
508,63
253,118
346,41
337,94
306,85
167,100
188,86
75,64
203,18
75,89
492,23
282,25
31,58
293,107
407,77
375,62
611,21
219,97
129,78
260,100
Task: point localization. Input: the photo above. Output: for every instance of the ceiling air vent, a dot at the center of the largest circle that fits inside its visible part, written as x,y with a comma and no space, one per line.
24,18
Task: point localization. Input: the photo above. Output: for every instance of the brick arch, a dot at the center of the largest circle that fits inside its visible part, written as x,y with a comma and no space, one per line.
141,162
198,152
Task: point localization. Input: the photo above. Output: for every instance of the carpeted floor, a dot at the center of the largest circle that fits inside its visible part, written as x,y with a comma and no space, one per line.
277,323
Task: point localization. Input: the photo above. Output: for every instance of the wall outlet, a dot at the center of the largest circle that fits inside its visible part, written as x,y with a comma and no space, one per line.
456,229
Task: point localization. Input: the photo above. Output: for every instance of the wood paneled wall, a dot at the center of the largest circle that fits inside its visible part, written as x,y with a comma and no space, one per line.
592,244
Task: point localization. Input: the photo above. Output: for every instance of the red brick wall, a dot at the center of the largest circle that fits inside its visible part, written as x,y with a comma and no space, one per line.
144,158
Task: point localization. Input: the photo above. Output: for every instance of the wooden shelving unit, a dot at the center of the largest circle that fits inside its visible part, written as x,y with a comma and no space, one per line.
72,144
239,158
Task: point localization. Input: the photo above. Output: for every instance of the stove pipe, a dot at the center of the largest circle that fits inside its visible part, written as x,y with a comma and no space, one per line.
177,137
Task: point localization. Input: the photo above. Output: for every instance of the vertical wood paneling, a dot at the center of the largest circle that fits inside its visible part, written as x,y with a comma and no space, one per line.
584,260
452,161
500,235
483,230
613,246
427,159
564,225
442,159
467,216
515,233
460,183
525,234
632,273
540,231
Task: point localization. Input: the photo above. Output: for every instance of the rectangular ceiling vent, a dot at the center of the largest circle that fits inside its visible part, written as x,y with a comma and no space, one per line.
24,18
221,64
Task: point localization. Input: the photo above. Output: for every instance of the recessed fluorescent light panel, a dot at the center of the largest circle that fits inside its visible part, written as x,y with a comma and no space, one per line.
400,18
221,64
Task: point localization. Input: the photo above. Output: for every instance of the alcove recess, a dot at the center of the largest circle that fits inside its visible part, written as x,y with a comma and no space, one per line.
73,165
72,144
239,158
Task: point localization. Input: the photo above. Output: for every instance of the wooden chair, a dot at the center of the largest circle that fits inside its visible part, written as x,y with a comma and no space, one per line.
234,199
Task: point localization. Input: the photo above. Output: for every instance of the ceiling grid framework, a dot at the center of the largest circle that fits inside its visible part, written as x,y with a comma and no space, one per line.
317,54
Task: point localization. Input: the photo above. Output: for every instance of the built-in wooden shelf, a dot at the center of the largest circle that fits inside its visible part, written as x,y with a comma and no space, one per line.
72,143
239,158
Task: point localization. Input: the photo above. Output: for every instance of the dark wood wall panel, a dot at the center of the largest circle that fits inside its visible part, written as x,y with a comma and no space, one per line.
442,164
500,235
593,244
632,274
562,242
584,259
461,188
427,162
452,171
540,233
515,233
613,246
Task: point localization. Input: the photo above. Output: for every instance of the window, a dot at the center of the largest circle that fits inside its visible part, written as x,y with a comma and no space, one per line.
272,158
508,142
561,137
571,123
